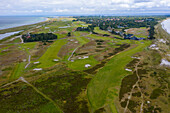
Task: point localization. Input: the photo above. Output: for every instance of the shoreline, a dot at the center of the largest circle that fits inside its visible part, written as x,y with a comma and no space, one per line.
18,29
22,27
163,26
45,19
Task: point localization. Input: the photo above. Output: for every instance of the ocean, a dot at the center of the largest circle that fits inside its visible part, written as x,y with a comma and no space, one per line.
15,21
166,25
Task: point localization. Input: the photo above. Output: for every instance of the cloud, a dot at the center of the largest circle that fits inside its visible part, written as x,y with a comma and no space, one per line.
37,11
82,6
60,10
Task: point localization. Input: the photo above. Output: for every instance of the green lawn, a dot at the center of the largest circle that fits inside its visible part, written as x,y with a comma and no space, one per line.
28,46
82,40
18,70
102,88
47,59
80,63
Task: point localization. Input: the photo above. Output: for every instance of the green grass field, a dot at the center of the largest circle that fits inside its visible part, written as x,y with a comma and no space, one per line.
18,70
82,40
47,59
102,89
80,63
28,46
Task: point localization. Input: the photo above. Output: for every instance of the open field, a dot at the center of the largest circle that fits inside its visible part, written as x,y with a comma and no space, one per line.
98,30
139,32
102,90
27,46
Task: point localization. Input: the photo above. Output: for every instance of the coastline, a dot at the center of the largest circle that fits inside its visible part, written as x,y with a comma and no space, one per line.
22,27
24,21
163,26
16,30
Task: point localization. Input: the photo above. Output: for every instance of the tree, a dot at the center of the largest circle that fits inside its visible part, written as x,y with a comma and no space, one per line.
69,34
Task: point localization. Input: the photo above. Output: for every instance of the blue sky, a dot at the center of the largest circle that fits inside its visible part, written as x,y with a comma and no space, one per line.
83,7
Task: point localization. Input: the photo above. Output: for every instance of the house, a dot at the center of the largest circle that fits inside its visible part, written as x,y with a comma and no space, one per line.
109,29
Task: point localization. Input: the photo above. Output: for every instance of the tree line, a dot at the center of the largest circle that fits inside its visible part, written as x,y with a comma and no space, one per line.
38,37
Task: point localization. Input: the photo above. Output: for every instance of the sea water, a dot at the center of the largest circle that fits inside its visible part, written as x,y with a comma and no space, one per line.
15,21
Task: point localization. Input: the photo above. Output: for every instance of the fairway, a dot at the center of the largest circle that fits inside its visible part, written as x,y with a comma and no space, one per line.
102,88
47,59
18,70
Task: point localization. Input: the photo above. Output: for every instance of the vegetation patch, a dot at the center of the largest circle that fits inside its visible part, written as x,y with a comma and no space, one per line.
132,105
124,103
156,93
127,83
65,89
138,94
23,98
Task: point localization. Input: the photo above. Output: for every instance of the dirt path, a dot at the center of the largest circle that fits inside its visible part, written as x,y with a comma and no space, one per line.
72,53
136,84
29,58
22,41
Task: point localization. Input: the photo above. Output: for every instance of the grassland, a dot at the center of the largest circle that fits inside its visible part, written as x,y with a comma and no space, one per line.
139,32
98,30
27,46
82,40
18,70
117,41
47,59
102,90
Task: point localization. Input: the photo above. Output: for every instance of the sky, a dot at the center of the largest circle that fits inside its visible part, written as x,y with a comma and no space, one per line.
84,7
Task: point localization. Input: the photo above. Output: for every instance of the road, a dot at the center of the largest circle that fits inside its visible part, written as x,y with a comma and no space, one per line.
22,41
